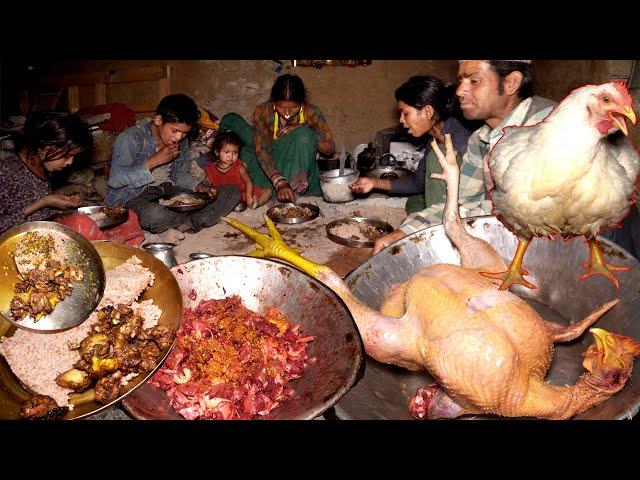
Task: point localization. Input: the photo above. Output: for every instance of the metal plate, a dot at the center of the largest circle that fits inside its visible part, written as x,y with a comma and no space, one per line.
86,294
263,283
358,221
102,223
384,391
190,208
271,213
165,293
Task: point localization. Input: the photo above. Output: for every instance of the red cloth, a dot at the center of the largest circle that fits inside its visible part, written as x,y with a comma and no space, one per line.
121,116
129,232
232,176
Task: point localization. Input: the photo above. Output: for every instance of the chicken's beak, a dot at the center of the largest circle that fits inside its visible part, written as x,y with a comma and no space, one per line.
600,336
627,112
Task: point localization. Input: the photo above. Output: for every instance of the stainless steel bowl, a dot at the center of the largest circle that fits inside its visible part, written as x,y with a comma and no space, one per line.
335,187
304,300
384,391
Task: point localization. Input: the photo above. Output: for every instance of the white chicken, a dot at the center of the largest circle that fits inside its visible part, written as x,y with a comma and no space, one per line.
574,173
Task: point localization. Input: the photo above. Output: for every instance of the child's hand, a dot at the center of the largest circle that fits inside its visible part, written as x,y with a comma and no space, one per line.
252,202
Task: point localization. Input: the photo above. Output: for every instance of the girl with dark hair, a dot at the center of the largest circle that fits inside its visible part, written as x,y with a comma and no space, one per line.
427,108
223,168
48,143
280,147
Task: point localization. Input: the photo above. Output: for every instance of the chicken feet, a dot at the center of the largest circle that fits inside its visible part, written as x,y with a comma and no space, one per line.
596,265
515,273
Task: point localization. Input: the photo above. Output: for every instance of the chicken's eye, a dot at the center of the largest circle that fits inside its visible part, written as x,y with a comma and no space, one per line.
606,99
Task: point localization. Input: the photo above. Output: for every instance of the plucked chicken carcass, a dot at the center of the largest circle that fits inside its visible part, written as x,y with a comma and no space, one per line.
572,174
486,348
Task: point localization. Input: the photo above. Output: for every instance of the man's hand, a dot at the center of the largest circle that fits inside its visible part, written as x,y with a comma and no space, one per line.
285,192
387,240
204,188
165,155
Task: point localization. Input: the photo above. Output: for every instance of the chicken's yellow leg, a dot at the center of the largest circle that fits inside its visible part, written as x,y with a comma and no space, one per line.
515,273
273,246
596,265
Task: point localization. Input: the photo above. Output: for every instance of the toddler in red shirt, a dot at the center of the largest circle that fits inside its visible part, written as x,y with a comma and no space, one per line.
223,168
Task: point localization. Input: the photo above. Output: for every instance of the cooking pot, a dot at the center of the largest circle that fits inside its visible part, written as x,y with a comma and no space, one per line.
261,283
335,188
388,173
383,392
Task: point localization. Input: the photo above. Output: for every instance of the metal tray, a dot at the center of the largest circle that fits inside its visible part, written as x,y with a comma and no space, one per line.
315,211
383,393
86,295
165,293
189,208
105,222
359,221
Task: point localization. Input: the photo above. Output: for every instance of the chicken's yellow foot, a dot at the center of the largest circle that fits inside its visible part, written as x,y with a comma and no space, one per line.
596,265
515,273
273,246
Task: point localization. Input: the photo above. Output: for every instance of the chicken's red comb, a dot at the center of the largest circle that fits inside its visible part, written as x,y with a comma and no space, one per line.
623,90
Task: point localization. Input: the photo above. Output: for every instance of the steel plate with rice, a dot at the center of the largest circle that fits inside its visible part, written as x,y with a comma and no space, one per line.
104,216
357,232
25,245
31,363
186,202
293,213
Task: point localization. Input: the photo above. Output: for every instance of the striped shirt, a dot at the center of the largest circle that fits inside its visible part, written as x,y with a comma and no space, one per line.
475,179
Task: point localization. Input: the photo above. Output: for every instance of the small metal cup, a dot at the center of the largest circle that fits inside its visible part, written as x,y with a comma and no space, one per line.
163,252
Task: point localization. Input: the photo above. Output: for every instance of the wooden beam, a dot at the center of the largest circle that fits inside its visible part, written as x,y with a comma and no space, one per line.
112,76
142,107
73,98
24,102
164,84
101,93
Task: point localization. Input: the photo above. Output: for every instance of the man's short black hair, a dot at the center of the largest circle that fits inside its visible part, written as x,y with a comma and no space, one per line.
505,67
178,108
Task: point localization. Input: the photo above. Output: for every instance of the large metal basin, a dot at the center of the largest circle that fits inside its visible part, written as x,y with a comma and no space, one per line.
263,283
384,391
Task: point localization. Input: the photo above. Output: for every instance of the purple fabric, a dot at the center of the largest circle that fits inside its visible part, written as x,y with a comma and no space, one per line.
19,187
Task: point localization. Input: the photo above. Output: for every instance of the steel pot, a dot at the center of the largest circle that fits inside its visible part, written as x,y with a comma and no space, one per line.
335,188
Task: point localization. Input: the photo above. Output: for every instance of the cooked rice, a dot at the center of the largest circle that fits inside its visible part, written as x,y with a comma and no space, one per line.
37,359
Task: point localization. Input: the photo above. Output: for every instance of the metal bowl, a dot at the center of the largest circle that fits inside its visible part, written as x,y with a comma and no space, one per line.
190,208
240,207
388,173
304,300
86,294
273,215
165,293
358,221
384,391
